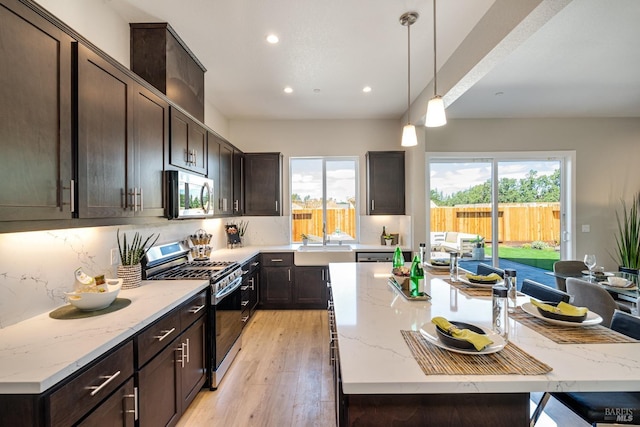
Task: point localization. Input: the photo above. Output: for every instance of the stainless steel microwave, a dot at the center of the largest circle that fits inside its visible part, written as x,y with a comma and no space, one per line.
188,195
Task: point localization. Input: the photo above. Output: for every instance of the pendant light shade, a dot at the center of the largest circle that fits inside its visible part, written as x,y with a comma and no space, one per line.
409,138
435,108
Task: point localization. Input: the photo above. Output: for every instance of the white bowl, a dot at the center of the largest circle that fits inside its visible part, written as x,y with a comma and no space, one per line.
91,301
619,282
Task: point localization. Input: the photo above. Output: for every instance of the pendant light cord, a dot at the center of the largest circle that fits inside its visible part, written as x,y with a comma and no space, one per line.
409,73
435,79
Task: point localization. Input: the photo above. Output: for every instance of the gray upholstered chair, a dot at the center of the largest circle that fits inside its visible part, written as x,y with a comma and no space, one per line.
569,268
596,407
543,292
592,296
486,269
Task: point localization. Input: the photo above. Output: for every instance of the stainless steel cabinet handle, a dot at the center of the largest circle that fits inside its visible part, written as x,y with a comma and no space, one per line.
166,334
244,303
72,190
235,205
195,157
133,396
181,350
141,200
255,264
244,288
276,206
289,272
373,205
194,310
188,350
244,319
224,204
108,378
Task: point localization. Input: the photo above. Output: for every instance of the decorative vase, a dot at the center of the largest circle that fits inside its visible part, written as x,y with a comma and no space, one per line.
131,275
388,242
305,242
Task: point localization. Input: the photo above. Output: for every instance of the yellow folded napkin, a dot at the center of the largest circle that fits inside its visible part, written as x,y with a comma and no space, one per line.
479,341
562,308
492,276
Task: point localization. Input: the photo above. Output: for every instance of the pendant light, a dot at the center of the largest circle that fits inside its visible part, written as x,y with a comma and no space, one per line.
409,138
435,108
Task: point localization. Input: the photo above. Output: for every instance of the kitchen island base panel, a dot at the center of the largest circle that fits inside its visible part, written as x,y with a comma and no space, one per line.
455,410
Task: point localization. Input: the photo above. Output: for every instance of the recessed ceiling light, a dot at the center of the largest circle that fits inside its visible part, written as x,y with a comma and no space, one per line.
288,89
499,93
272,38
316,91
366,89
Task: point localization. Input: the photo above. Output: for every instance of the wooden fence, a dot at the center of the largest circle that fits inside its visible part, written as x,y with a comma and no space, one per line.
521,222
309,221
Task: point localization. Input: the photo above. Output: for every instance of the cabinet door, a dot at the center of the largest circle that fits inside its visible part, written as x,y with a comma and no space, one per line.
188,143
263,184
117,410
226,179
213,168
310,290
385,183
103,144
35,106
275,288
158,385
193,374
238,182
150,139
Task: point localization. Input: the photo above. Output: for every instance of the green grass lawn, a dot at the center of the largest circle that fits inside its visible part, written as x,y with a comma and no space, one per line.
534,257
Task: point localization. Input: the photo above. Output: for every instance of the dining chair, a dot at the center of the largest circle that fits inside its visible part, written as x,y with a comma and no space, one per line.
543,292
592,296
603,408
486,269
570,268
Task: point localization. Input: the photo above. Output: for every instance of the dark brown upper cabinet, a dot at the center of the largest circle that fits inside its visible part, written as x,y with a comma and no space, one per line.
238,182
263,184
159,56
36,110
220,170
385,183
188,143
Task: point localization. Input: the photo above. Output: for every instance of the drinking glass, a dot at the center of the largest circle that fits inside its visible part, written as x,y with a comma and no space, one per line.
590,262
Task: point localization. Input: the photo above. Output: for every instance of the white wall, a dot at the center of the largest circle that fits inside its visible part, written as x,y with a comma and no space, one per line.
607,153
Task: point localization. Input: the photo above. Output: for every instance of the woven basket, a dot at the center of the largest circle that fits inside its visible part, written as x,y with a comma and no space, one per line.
131,275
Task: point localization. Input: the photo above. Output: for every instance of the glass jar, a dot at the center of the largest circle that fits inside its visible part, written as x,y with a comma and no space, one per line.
453,266
499,314
511,283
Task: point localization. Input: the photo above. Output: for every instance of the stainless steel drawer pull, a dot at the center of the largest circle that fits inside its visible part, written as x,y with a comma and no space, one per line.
244,303
276,259
195,310
255,264
96,388
133,396
72,191
244,288
244,319
166,334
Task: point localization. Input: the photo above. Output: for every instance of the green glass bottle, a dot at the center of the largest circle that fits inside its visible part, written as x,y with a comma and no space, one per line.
416,278
398,258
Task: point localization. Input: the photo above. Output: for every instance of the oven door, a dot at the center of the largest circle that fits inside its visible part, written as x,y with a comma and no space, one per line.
227,319
188,195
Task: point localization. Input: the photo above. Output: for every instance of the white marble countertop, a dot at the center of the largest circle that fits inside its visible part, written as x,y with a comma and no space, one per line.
374,358
39,352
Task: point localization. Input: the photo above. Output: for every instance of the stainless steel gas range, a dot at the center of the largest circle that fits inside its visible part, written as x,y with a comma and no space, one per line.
173,262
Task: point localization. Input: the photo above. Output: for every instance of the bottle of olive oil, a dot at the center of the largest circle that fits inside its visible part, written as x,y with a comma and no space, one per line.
384,233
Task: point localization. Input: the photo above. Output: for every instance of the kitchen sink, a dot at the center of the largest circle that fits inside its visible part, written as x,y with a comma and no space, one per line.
323,255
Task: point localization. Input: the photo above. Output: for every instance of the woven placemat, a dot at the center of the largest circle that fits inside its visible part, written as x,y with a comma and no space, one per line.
437,361
67,312
470,290
595,334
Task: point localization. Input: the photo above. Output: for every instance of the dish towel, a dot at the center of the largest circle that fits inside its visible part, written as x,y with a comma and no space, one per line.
479,341
562,308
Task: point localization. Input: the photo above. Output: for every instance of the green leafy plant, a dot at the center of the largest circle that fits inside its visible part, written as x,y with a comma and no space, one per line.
478,241
304,236
132,253
242,227
628,237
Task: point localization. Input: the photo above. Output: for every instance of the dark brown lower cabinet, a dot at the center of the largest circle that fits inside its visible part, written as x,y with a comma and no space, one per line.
118,410
193,374
310,290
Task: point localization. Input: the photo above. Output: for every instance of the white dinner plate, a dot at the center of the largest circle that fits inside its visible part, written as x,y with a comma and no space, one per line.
592,318
606,273
428,331
436,266
463,279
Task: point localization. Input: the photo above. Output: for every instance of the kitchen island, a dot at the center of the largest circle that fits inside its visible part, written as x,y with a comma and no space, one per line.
381,382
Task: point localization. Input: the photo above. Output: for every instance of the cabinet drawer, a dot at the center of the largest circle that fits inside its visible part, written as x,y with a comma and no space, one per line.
277,259
193,309
153,339
81,394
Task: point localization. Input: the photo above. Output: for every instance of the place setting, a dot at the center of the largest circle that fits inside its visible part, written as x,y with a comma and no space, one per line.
452,347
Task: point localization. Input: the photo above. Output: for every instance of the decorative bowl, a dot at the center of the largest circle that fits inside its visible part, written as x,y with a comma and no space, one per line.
92,301
451,341
559,316
618,282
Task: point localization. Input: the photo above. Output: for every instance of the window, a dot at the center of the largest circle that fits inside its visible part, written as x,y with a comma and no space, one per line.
324,198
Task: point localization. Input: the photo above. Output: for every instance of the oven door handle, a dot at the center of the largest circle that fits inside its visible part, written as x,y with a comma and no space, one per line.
234,285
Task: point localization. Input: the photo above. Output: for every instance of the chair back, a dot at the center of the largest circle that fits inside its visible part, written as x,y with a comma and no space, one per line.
592,296
569,268
543,292
626,324
486,269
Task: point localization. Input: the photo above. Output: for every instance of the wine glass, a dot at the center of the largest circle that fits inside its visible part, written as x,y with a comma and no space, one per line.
590,262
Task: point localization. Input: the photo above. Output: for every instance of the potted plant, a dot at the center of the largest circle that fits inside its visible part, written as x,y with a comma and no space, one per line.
131,253
388,239
478,250
305,239
627,238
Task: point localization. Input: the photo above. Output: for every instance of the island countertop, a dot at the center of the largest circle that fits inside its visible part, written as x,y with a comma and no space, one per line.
374,358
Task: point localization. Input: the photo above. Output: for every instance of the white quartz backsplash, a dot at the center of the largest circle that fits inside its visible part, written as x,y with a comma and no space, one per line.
37,267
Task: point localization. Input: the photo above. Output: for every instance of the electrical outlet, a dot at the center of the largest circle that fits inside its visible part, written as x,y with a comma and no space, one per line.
586,228
115,258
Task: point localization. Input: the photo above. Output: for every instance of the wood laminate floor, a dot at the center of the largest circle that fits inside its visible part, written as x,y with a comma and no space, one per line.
282,377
